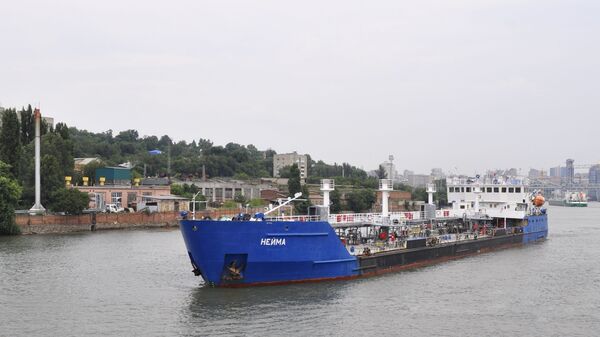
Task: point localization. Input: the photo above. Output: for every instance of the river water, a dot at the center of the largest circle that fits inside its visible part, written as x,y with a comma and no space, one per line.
139,283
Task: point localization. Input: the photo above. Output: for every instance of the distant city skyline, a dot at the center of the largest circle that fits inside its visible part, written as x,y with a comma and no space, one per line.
460,85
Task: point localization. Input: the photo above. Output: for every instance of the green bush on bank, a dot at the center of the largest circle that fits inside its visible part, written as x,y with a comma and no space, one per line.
70,201
10,192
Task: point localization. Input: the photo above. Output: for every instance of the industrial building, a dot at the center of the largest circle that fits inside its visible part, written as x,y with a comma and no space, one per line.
123,196
219,190
114,186
113,176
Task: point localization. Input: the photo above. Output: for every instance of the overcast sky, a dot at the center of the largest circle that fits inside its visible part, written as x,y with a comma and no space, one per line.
459,84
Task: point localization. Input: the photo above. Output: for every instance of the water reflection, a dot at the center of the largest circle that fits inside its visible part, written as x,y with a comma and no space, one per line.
240,311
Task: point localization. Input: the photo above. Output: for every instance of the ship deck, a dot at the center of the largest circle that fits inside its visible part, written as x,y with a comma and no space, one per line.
376,247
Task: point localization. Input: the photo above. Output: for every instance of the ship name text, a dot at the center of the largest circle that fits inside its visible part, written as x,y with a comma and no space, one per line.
272,242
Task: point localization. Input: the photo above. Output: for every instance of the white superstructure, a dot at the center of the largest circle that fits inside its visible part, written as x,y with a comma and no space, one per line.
496,197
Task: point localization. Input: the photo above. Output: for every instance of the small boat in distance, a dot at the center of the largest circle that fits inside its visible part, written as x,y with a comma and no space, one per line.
266,249
568,199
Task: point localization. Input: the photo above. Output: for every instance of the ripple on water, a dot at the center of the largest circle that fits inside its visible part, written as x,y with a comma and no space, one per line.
139,283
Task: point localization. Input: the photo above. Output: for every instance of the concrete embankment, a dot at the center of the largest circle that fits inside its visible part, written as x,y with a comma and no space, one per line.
46,224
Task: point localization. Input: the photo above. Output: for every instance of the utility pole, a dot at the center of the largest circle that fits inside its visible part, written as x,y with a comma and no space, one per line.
169,159
391,158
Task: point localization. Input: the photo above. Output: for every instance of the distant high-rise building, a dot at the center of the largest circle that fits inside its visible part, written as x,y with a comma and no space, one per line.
418,180
288,159
570,172
390,170
437,173
594,174
533,173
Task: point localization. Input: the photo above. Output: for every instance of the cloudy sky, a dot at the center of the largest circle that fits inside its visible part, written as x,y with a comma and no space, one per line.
459,84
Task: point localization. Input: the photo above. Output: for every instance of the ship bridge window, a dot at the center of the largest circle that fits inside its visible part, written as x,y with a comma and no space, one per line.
462,189
468,189
517,190
511,190
451,189
489,189
503,189
496,190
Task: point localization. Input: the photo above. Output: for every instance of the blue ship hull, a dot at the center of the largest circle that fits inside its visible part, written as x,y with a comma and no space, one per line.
266,252
243,253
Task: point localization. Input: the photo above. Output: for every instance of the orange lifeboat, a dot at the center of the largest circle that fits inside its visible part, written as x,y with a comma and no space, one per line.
539,201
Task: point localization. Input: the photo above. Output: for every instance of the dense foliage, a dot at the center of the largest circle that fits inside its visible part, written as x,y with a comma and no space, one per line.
70,201
177,159
9,196
360,200
154,156
294,180
17,150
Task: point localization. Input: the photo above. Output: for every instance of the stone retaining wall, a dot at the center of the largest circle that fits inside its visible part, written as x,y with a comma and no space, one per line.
44,224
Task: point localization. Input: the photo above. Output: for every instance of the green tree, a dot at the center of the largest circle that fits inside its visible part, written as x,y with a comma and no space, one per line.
229,204
254,203
360,200
419,193
240,199
335,198
27,125
294,185
70,201
177,189
10,193
381,174
302,206
285,172
62,130
52,178
10,141
89,170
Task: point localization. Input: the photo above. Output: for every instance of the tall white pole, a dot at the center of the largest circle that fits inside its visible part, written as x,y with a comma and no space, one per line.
430,191
37,207
326,199
385,186
327,185
385,196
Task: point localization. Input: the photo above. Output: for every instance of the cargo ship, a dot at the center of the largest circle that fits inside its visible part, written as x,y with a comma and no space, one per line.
568,199
270,249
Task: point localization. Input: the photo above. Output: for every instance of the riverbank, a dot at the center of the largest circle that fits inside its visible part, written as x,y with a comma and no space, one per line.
54,224
51,224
